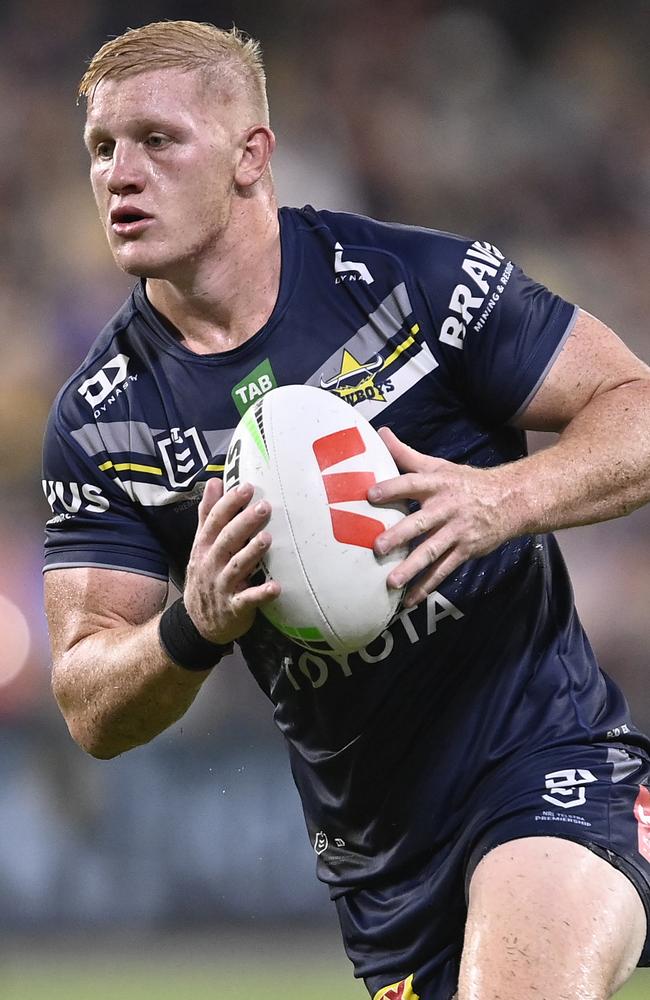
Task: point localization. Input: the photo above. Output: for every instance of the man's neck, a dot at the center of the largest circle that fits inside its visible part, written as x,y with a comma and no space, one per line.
231,293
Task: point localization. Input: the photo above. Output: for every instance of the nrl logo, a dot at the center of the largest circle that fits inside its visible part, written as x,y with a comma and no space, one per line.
321,843
183,454
358,380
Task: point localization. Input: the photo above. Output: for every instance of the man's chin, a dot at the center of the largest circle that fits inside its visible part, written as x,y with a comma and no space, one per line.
141,266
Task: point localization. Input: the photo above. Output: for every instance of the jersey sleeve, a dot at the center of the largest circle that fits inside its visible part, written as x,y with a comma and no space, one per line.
498,330
93,522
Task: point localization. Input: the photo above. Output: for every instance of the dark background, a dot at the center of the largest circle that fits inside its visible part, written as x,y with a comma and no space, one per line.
525,124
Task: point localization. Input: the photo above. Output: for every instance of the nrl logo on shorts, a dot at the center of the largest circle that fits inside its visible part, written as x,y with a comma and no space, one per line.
321,843
183,456
567,788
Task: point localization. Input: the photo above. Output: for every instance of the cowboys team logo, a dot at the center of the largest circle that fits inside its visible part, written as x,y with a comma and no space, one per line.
358,380
183,455
374,382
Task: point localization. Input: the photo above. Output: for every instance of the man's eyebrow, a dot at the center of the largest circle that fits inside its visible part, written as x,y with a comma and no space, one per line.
92,134
138,125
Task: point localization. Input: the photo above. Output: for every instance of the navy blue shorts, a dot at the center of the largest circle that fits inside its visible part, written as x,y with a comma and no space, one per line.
405,936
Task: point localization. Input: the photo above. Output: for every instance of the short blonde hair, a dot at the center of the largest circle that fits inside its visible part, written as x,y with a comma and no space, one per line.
228,58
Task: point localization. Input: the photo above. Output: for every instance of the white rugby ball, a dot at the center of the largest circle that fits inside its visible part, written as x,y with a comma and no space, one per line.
313,457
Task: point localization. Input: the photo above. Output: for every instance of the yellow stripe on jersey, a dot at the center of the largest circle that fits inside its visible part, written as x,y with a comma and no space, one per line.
131,467
401,347
214,468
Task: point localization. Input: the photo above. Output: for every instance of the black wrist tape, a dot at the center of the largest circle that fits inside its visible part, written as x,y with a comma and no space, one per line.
184,644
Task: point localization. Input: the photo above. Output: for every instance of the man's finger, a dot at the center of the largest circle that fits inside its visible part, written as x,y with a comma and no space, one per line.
212,492
407,459
412,526
431,580
242,563
224,510
429,554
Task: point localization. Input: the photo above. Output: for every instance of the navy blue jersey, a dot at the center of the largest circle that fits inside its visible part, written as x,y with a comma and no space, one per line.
444,340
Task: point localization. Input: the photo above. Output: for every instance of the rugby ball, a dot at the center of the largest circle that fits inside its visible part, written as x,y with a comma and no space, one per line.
313,457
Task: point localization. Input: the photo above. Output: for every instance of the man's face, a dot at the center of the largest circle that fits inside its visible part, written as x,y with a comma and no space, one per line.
163,151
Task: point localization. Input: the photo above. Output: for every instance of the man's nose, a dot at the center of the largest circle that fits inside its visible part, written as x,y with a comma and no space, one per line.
127,169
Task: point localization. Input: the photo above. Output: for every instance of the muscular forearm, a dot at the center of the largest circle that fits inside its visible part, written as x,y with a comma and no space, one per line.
598,469
117,689
112,677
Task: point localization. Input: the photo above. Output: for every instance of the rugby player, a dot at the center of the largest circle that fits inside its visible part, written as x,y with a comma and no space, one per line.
474,787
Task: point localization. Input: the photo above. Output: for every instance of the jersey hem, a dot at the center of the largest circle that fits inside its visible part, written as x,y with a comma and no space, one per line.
88,564
549,364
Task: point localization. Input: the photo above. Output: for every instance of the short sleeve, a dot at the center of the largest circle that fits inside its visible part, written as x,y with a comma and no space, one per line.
499,330
93,522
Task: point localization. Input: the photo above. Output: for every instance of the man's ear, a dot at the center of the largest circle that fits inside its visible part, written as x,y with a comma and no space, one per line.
257,148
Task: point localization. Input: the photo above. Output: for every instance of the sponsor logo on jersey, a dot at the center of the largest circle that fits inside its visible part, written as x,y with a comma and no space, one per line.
321,843
566,789
348,527
471,303
349,270
613,734
358,380
375,379
102,389
74,497
253,385
184,456
415,623
642,814
381,360
398,991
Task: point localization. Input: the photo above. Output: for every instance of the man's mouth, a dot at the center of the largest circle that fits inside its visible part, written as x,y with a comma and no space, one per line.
128,220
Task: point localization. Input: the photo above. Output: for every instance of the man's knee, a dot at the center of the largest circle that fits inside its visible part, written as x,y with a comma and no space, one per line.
548,918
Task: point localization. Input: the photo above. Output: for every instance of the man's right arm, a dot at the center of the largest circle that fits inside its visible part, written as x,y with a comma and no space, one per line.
115,685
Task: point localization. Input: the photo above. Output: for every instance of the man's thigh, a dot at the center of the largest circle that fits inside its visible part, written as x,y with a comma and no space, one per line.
548,918
405,936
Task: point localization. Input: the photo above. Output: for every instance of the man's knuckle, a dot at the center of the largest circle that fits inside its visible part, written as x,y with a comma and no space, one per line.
431,550
420,522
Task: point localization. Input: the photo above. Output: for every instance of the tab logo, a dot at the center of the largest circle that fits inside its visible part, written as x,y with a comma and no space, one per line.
254,385
349,270
98,387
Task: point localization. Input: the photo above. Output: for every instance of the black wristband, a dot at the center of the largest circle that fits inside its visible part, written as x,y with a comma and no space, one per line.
184,644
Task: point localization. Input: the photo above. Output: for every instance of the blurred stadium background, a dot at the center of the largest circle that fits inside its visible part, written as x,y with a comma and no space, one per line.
183,869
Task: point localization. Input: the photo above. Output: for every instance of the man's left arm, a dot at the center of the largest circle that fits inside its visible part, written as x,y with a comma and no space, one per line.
597,397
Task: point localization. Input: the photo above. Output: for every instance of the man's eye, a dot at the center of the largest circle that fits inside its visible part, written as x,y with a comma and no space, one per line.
104,150
157,141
